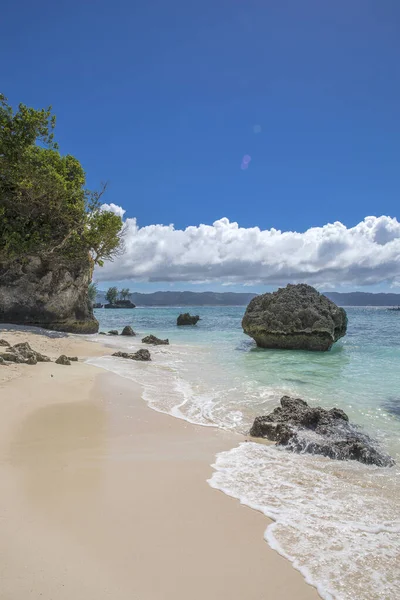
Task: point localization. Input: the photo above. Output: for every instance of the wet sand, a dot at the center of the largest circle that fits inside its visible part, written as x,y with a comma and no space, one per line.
104,498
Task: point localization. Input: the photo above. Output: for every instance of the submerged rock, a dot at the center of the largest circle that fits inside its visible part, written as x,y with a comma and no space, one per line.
22,353
63,360
296,317
187,319
152,339
318,431
73,358
127,330
141,354
113,332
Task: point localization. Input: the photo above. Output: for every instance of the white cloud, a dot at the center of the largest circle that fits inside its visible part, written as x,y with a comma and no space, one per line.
366,254
114,208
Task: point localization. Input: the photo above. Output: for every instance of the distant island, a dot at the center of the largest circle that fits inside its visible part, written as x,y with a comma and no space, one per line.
243,298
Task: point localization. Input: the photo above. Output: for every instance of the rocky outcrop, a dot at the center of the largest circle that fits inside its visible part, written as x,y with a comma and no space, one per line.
141,354
296,317
63,360
113,332
121,304
50,293
318,431
4,343
22,353
127,330
155,341
187,319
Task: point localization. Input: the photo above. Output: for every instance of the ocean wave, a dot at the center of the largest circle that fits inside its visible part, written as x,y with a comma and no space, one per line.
329,519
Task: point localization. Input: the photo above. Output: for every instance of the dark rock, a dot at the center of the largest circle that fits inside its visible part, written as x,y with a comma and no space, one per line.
155,341
49,292
27,352
2,361
296,317
187,319
22,353
97,305
4,343
63,360
121,304
73,358
102,333
127,330
13,357
113,332
318,431
141,354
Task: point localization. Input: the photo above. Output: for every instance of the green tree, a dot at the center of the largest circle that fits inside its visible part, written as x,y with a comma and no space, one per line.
124,293
112,295
92,292
45,208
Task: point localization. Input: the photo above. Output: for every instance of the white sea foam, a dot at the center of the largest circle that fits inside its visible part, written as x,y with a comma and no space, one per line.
329,517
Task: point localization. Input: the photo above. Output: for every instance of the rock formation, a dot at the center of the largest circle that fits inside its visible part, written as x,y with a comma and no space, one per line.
152,339
318,431
22,353
296,318
63,360
187,319
113,332
141,354
121,304
127,330
50,293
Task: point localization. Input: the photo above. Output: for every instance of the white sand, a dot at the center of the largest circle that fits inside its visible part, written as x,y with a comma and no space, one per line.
103,498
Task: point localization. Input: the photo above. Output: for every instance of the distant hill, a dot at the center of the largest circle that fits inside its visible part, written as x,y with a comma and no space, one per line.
242,299
364,299
186,298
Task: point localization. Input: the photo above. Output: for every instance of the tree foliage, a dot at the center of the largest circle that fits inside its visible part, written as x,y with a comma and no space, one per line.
92,292
45,208
112,295
124,293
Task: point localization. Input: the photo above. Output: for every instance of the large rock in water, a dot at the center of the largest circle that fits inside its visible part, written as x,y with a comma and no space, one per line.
187,319
296,317
50,293
318,431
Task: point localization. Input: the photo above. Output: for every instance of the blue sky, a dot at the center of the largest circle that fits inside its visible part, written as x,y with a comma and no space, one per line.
164,99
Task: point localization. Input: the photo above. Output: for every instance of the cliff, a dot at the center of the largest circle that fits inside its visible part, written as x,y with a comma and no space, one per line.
50,293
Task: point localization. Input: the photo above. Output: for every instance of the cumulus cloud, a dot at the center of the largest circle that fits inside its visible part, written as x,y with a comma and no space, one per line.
114,208
366,254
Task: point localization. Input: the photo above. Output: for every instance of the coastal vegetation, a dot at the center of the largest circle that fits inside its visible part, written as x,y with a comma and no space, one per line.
53,230
112,295
45,207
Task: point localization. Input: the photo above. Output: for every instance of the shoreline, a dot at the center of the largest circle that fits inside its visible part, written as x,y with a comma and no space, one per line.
113,495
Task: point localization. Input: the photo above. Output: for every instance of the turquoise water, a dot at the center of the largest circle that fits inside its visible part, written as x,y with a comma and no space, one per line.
337,522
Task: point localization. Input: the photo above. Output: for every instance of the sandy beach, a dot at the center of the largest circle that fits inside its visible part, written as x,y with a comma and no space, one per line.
104,498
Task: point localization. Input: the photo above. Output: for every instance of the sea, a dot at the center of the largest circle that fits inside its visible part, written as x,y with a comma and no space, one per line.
338,522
